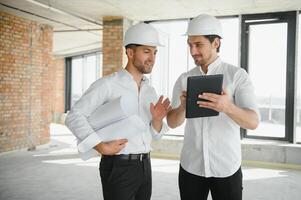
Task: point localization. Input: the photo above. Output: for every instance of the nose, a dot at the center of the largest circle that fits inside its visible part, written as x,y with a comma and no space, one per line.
152,56
193,50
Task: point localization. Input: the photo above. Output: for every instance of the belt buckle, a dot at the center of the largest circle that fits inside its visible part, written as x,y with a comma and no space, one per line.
140,157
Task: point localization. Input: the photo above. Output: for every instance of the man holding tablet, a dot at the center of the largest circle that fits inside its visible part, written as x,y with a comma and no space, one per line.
211,154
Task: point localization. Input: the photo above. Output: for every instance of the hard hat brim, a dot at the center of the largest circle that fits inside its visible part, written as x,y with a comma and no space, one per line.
196,34
146,44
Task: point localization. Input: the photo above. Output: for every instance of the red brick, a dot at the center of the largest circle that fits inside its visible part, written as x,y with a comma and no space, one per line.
27,82
112,44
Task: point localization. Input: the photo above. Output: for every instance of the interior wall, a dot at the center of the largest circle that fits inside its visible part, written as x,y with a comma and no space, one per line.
59,90
26,82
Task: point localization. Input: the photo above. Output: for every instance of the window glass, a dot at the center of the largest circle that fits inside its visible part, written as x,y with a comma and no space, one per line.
267,56
85,70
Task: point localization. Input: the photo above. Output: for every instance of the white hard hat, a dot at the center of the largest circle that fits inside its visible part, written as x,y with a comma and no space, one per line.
143,34
204,25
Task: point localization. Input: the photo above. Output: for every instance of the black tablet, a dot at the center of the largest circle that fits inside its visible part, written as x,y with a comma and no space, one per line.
197,85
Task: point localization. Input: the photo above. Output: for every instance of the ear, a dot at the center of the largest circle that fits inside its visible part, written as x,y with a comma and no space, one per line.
129,52
216,43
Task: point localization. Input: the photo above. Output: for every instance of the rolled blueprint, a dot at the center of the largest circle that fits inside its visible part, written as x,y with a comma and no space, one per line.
113,111
126,128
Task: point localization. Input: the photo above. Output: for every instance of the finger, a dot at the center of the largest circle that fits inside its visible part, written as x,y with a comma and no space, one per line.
166,103
169,108
160,99
225,92
117,149
121,141
209,98
184,93
211,95
205,104
120,147
152,107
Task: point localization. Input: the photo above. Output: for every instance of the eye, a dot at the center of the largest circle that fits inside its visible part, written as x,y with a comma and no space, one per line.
198,45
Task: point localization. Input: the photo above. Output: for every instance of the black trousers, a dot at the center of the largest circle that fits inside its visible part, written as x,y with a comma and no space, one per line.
125,179
194,187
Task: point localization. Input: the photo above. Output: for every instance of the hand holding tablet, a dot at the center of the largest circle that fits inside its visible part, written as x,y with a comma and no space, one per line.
202,84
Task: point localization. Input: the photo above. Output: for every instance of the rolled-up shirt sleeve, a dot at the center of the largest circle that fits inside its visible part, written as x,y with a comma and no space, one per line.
158,135
77,118
178,88
244,92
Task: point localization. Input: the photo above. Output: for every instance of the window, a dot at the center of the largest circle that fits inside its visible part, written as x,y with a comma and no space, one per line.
270,94
81,72
268,54
229,50
171,60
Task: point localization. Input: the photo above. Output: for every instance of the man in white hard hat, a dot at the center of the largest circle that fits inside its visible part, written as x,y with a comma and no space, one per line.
211,154
125,167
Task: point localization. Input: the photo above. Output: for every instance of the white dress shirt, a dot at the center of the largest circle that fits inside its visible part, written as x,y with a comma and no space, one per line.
212,144
107,89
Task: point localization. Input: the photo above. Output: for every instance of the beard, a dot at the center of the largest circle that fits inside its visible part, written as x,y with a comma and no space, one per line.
145,67
200,60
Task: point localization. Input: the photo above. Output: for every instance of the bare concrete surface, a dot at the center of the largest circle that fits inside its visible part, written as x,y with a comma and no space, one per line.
55,172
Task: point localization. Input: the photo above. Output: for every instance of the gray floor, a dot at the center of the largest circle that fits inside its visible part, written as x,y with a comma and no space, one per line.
56,172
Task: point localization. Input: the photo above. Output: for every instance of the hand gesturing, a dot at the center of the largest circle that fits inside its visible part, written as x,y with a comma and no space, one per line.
160,110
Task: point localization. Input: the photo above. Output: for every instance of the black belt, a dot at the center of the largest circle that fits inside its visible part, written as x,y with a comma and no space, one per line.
140,156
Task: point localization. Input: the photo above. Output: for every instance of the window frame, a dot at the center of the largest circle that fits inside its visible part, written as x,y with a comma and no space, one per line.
291,87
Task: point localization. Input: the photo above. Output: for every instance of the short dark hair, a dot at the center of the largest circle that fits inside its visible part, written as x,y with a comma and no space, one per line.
132,46
211,38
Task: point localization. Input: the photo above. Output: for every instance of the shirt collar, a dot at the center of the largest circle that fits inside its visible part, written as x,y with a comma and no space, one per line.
212,66
125,74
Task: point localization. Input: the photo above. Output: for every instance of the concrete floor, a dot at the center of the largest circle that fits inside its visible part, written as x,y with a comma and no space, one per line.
56,172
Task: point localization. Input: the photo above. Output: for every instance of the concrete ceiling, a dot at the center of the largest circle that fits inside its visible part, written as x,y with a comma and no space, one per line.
77,23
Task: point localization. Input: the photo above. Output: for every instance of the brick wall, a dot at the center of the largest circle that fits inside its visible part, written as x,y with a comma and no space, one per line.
59,90
26,82
112,45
